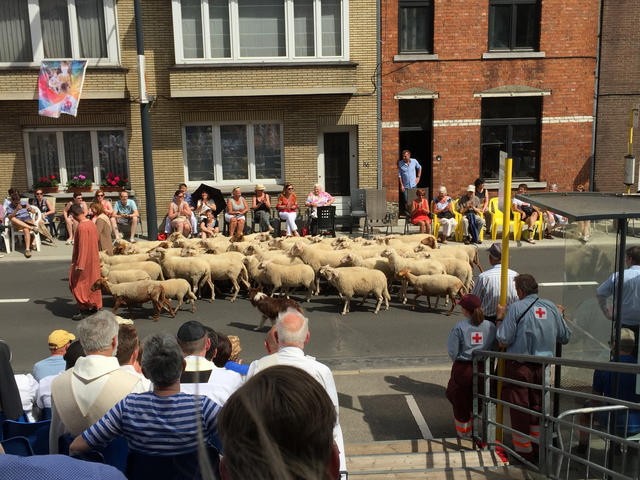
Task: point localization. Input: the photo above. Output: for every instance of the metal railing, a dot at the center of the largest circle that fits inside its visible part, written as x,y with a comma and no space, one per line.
589,437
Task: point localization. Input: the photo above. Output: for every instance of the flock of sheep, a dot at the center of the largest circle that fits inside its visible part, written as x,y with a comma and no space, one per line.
181,268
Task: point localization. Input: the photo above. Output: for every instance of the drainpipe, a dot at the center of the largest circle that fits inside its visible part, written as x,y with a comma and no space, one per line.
594,130
378,86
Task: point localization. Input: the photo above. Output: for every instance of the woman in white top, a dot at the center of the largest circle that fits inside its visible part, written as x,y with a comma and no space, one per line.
235,215
443,208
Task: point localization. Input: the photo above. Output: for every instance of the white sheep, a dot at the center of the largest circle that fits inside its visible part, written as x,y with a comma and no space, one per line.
434,285
317,258
252,262
225,267
153,269
275,256
422,266
288,277
135,293
193,269
358,281
177,289
124,276
352,259
463,252
457,268
117,259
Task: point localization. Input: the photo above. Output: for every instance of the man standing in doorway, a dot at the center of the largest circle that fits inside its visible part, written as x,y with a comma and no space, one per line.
85,264
407,177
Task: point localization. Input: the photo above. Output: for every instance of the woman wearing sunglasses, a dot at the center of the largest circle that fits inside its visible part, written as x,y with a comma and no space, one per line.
288,209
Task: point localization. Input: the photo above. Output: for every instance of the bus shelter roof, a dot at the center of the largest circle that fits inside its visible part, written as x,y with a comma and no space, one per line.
586,205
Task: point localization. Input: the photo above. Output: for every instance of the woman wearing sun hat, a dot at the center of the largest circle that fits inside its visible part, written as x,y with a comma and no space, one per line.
261,206
472,333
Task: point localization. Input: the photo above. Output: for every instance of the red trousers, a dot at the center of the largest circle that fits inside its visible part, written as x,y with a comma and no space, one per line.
460,394
524,397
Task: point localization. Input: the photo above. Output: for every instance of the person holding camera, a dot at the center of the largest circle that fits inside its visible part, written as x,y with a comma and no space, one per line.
261,206
472,215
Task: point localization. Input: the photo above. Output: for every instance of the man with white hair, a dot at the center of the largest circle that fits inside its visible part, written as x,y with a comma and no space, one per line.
471,209
81,395
292,334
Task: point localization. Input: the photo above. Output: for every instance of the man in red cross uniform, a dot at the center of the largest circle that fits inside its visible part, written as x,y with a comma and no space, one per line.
531,326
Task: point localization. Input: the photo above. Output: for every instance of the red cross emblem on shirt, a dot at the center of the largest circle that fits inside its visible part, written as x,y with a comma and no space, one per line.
476,338
541,313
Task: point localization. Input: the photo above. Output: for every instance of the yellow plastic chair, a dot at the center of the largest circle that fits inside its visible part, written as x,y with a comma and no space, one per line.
497,219
539,225
435,225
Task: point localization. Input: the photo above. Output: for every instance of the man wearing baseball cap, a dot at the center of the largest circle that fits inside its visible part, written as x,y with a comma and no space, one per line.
487,288
59,341
472,216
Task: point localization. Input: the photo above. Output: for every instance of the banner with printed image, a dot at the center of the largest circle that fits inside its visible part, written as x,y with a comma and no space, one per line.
60,86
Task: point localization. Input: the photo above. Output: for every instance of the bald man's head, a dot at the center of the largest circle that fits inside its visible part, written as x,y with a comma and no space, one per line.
271,342
292,329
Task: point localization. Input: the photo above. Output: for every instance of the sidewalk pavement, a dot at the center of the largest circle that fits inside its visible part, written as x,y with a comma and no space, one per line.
62,252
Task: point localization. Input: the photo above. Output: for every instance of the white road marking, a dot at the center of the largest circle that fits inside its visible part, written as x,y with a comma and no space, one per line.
566,284
401,370
417,414
14,300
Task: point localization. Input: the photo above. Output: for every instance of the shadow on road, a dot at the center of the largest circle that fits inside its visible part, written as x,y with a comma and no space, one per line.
59,306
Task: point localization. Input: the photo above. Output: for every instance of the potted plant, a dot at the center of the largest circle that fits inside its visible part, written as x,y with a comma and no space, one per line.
48,184
79,183
114,182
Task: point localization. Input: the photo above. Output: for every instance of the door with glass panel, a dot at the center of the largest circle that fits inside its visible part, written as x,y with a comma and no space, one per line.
338,165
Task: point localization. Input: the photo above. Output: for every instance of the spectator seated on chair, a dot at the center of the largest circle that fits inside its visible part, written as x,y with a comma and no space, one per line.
208,224
19,214
59,341
125,215
203,205
180,214
103,225
288,209
99,197
261,442
317,198
261,206
471,209
68,218
420,212
187,196
235,215
162,422
528,213
553,219
226,354
7,199
443,209
44,205
483,195
128,353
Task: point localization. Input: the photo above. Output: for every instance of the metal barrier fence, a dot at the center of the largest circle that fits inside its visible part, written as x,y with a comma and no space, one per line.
593,439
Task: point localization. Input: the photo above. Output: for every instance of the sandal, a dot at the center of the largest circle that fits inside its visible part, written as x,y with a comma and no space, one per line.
27,253
530,240
69,242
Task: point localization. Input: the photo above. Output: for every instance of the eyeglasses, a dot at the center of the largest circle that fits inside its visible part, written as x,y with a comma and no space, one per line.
38,193
420,194
100,195
289,188
179,196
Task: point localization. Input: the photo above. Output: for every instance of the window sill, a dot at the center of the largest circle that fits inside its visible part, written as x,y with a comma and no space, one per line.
515,182
415,57
16,67
247,188
512,54
292,64
69,195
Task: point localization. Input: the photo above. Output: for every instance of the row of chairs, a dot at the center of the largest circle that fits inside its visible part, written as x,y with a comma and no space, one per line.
10,234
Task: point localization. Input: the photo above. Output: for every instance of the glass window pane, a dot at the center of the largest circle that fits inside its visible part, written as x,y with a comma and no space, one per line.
268,155
262,28
91,30
192,29
15,34
199,142
235,162
415,29
526,23
415,113
524,151
527,107
499,27
303,23
78,157
54,17
494,139
331,28
219,28
112,154
43,149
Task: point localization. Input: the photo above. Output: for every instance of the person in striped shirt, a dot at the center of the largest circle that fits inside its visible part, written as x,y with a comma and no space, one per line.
162,422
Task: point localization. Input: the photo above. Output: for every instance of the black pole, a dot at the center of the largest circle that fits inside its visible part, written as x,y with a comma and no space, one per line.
147,151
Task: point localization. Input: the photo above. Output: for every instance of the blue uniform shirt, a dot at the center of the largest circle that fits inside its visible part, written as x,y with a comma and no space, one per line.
537,332
464,338
52,365
407,172
630,314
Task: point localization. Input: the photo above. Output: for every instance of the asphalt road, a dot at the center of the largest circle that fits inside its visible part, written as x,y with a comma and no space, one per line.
378,360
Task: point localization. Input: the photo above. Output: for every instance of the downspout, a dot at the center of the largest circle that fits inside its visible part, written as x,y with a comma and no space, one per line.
378,86
594,130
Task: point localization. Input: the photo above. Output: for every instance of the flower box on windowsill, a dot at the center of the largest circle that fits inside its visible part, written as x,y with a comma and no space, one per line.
112,188
47,189
79,189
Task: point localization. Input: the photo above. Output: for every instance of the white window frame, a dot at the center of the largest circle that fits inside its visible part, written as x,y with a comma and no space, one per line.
62,168
234,34
217,179
35,27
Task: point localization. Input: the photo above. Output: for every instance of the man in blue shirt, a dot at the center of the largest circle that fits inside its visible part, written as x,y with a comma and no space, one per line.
125,213
630,312
59,342
407,177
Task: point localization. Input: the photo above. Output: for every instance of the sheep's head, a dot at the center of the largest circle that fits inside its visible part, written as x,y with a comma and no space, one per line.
158,254
347,259
327,272
250,250
338,241
430,241
296,249
263,265
180,243
99,284
404,273
387,252
275,243
188,252
120,247
104,269
174,236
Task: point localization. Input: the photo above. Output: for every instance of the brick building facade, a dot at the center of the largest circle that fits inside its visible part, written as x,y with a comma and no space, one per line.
463,80
618,93
263,92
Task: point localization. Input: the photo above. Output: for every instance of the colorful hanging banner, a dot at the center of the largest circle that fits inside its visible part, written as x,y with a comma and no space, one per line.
60,86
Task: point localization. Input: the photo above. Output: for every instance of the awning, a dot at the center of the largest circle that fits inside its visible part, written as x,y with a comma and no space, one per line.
512,91
416,93
586,205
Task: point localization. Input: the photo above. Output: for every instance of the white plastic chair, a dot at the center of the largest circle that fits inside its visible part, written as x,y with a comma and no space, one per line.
36,216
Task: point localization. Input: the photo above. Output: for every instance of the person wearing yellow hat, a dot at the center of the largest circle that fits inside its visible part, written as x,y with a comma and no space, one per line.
261,206
59,341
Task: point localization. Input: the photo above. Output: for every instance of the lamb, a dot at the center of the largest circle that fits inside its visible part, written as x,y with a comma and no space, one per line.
117,259
355,281
177,289
252,262
152,268
224,267
288,276
212,245
425,266
270,307
135,293
124,276
458,268
317,258
376,263
275,256
436,285
468,252
193,269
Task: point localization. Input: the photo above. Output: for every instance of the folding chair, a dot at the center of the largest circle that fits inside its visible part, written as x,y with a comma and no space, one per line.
326,221
17,446
358,207
411,196
377,215
36,216
143,467
36,433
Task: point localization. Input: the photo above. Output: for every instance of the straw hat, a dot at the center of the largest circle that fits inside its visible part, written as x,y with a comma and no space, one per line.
259,187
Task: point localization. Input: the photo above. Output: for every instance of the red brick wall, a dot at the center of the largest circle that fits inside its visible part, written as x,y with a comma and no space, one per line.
568,38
